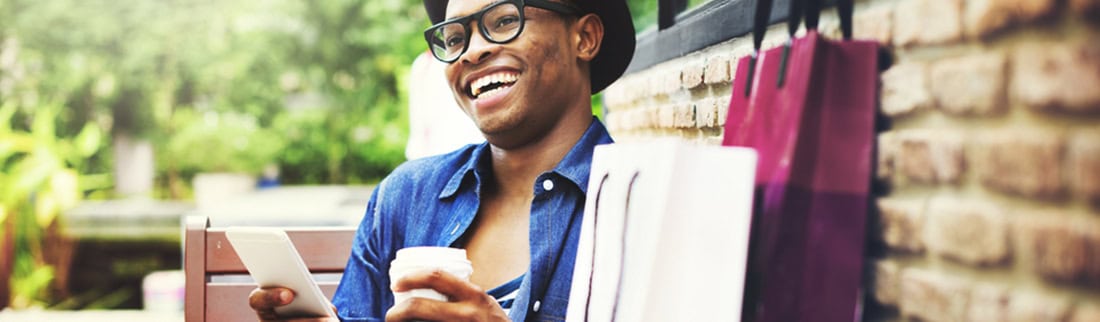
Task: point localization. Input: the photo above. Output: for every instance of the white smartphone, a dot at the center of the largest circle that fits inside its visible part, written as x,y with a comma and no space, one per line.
273,261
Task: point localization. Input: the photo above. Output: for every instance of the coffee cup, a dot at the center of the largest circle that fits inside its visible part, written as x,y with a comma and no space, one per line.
414,259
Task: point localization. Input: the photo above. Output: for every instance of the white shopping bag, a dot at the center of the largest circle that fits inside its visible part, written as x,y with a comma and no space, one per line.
681,255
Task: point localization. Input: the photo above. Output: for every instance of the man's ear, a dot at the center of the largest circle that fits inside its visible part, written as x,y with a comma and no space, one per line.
588,36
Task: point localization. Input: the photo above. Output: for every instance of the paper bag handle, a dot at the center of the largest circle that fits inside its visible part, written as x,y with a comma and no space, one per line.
622,251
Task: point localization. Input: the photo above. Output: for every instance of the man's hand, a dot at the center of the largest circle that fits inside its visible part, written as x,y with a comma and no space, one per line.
468,301
265,300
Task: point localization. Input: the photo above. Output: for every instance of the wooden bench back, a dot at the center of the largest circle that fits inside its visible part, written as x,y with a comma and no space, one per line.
208,254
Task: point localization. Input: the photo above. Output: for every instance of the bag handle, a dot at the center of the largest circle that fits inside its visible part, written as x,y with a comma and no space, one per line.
812,12
592,263
622,251
844,9
761,13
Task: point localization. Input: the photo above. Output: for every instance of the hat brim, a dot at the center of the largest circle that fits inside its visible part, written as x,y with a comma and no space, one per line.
617,47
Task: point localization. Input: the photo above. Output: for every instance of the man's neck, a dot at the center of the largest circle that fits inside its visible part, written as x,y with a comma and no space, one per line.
516,169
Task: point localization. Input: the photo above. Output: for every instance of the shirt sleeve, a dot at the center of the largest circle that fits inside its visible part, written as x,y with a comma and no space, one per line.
364,293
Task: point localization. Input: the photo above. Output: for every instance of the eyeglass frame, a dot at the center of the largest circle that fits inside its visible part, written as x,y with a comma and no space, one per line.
559,8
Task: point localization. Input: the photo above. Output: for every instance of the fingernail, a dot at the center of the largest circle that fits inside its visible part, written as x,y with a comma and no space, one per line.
285,297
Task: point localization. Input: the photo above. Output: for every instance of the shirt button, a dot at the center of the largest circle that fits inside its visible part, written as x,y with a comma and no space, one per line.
537,303
548,185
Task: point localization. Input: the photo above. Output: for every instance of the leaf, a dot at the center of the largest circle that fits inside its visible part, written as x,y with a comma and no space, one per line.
88,141
29,175
43,128
3,212
46,209
25,289
64,185
89,182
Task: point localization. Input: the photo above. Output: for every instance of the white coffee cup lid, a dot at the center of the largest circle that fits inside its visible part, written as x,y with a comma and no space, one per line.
431,254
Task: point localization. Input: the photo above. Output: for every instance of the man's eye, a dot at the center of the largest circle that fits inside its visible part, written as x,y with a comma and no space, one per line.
454,41
506,21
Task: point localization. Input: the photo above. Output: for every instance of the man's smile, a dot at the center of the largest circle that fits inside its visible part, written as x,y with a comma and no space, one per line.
491,84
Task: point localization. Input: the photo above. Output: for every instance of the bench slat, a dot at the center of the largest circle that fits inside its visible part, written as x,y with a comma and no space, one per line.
316,245
225,301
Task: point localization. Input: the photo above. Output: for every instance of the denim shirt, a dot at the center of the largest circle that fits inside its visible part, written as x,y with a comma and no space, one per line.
433,201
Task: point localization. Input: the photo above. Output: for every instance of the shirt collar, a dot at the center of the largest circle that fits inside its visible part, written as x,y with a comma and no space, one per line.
578,162
575,166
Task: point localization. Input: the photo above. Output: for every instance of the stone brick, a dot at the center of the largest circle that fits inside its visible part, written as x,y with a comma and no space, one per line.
1084,165
647,118
723,102
683,115
1027,306
1086,312
653,117
1022,162
874,23
614,96
666,116
1064,248
630,119
927,22
970,232
706,113
638,119
717,70
988,303
905,90
985,17
901,223
656,83
933,296
623,120
830,28
614,121
673,81
886,282
1058,76
930,156
713,140
970,85
692,75
886,158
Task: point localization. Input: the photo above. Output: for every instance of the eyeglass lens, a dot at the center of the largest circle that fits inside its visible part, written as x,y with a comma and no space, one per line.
499,24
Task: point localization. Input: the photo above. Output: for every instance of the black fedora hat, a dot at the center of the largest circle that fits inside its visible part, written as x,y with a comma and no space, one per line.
618,40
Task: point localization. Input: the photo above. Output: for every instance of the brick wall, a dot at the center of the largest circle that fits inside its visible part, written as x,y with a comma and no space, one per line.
989,202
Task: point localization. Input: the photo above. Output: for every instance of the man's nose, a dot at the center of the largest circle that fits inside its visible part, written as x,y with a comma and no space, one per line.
480,48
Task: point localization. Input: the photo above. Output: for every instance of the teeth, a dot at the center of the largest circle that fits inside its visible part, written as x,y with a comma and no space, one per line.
491,92
496,78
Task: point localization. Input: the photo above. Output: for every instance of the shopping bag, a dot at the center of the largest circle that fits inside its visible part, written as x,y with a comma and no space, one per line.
665,233
808,108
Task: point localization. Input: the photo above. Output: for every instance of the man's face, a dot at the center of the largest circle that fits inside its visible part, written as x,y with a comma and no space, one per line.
515,91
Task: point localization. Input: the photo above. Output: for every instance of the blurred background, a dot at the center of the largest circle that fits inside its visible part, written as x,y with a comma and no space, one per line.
117,118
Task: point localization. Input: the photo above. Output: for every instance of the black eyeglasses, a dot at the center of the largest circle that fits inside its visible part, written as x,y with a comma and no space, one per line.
498,23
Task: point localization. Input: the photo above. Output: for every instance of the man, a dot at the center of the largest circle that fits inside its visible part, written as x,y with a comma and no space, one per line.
523,71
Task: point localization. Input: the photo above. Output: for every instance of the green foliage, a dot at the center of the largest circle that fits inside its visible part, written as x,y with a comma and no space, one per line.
160,70
312,86
38,180
644,13
219,142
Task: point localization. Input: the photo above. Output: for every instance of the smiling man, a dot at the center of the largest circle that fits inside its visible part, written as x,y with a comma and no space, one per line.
523,71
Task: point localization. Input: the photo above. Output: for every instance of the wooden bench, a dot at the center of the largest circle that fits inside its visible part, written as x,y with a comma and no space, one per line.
218,285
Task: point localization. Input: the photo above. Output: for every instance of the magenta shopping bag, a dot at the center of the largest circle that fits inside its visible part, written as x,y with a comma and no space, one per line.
808,108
